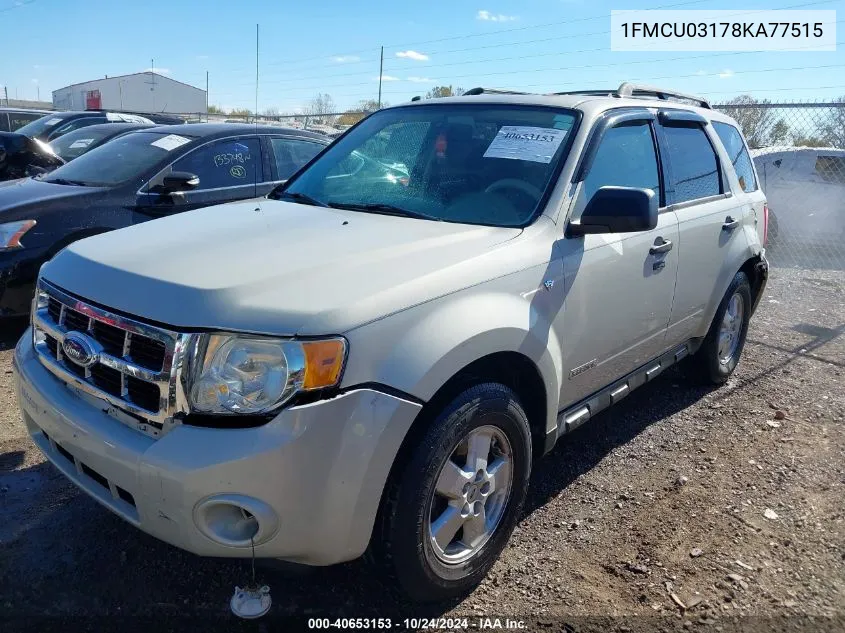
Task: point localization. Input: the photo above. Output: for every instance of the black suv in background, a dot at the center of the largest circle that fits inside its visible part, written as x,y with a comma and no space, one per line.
139,176
53,125
11,119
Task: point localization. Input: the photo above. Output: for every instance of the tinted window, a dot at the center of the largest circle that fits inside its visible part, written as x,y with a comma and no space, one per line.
226,163
121,160
76,143
75,125
4,122
732,140
695,169
625,158
468,163
291,154
831,168
18,119
43,126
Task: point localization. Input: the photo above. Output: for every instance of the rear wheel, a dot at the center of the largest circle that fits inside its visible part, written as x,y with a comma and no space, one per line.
719,354
451,508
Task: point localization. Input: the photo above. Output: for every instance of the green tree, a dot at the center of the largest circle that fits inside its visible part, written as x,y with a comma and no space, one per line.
213,109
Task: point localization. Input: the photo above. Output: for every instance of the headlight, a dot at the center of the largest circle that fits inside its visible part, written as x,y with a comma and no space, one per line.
12,232
245,374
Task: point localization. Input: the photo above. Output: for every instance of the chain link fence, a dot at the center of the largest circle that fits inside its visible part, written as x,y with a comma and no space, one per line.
799,152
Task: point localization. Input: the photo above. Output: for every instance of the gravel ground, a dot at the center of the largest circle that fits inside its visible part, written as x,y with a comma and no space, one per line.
682,508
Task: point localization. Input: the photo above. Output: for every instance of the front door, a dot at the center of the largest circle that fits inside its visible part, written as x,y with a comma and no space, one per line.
619,286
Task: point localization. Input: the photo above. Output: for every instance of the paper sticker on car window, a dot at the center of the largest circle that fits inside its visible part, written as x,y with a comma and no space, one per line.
537,144
170,142
53,122
83,142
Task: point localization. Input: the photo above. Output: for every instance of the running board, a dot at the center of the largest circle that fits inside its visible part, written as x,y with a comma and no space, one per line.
572,417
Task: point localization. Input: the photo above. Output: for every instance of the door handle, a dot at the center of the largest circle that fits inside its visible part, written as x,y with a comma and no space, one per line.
660,246
730,224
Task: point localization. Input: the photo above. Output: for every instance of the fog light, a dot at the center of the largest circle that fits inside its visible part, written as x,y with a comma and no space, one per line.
235,520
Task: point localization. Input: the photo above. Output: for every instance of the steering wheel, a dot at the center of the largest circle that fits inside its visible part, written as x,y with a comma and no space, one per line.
519,185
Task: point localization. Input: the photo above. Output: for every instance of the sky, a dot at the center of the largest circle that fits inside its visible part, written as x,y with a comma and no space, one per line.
333,47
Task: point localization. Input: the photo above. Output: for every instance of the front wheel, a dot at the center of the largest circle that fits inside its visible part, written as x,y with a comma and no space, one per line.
450,510
719,354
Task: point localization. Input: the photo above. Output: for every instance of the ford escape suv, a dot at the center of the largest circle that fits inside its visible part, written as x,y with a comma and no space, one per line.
370,358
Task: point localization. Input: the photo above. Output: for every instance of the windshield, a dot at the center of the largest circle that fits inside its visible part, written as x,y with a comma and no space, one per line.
41,127
475,164
76,143
118,161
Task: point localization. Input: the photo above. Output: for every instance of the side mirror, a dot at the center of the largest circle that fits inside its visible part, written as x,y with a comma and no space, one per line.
179,181
617,210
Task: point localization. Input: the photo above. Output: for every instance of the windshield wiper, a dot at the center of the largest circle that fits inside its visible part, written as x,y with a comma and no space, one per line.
385,209
65,181
299,197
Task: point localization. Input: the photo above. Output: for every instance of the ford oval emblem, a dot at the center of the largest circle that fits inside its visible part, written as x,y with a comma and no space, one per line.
80,349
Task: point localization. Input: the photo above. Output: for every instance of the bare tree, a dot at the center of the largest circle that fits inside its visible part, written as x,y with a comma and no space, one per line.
444,91
758,122
320,107
832,130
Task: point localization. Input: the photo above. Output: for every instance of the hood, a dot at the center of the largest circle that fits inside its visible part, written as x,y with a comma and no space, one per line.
18,193
275,267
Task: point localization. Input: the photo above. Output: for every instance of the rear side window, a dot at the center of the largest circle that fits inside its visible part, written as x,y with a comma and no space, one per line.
831,168
4,122
732,140
18,119
291,154
625,158
695,168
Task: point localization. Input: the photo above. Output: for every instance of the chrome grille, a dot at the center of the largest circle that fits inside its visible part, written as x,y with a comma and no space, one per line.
137,366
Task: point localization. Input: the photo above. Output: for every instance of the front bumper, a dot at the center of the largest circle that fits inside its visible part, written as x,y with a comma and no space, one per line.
762,270
18,274
318,469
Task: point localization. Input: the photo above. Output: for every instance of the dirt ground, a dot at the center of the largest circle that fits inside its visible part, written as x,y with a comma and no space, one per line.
683,508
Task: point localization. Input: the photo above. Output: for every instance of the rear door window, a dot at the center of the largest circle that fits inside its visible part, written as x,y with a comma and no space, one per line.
291,154
224,163
695,167
735,147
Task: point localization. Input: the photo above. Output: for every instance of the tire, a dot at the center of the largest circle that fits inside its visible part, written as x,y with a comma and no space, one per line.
413,508
714,364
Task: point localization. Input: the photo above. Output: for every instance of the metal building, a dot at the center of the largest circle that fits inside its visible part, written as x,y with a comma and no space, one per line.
138,92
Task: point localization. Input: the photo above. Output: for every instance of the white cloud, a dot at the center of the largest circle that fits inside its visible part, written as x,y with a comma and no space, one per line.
420,57
726,74
345,59
202,57
420,80
387,78
158,71
486,16
700,73
35,81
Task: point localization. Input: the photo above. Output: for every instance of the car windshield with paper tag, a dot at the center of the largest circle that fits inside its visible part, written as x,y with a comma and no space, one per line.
467,163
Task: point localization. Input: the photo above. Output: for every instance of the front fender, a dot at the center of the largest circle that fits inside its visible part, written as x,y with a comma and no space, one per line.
418,350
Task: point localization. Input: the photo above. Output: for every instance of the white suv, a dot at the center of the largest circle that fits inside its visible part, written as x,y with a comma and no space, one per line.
373,356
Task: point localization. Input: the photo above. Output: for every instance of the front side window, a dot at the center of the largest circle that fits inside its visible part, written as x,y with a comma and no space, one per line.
732,140
467,163
75,124
292,153
625,158
695,168
119,161
226,163
831,168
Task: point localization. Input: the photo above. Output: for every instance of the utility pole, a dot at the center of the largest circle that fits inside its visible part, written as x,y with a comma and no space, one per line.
152,82
206,97
380,73
256,75
38,92
6,90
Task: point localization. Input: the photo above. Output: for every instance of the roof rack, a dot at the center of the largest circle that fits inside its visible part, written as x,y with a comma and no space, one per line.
493,91
628,89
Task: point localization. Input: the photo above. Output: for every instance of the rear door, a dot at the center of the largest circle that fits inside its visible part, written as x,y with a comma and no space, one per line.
710,216
619,286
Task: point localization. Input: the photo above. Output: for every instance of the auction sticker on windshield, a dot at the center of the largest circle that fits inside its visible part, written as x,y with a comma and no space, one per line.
537,144
83,142
170,142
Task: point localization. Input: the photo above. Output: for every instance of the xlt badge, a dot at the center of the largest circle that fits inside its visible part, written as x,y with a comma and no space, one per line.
582,368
